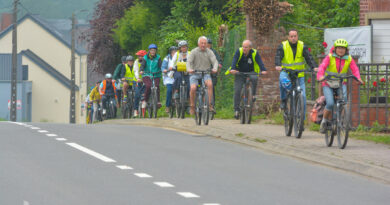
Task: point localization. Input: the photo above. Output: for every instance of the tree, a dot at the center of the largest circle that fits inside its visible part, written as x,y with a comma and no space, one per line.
104,52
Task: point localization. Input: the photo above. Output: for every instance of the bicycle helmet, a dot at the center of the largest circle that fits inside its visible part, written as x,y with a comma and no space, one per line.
152,46
182,43
141,53
123,58
341,43
108,75
209,41
129,58
172,48
286,83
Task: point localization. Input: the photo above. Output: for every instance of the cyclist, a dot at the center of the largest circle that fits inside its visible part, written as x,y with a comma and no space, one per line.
246,59
151,64
337,62
94,97
116,76
180,56
199,60
127,76
292,54
168,79
214,76
107,90
139,86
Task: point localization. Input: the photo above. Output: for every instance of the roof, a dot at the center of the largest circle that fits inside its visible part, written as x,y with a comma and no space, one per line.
53,27
48,68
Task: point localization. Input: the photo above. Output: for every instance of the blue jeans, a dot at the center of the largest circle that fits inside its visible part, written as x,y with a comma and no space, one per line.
328,93
169,95
283,93
139,90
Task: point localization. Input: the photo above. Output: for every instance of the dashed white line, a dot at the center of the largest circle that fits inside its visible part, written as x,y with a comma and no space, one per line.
43,131
211,204
35,128
142,175
188,195
26,203
51,135
91,152
124,167
61,139
163,184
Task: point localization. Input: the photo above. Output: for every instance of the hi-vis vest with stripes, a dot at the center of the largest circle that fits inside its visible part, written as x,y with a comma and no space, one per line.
332,68
288,60
256,66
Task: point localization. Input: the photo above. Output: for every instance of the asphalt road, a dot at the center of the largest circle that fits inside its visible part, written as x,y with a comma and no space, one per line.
113,164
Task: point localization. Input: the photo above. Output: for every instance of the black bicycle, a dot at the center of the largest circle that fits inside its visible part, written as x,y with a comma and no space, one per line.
181,102
128,106
294,111
341,116
111,111
246,99
202,110
153,98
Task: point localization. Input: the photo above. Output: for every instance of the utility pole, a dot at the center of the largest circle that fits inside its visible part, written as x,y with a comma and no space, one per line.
14,64
72,113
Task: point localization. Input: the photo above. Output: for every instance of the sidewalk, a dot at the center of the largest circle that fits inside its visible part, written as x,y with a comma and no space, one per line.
361,157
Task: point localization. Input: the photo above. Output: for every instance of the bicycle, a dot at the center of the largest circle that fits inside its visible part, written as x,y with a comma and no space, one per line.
127,107
202,101
89,115
181,102
246,102
153,99
111,108
341,116
173,106
293,114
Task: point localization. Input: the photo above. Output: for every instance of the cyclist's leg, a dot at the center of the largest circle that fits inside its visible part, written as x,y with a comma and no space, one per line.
137,96
215,81
157,84
209,83
328,93
95,108
345,94
169,95
303,91
239,81
194,84
148,84
283,92
125,87
104,102
254,80
177,80
187,80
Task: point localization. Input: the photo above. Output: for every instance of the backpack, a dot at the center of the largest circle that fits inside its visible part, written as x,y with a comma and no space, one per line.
317,112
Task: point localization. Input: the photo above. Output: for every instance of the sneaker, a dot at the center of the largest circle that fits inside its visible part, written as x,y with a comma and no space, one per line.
211,108
135,113
236,115
323,126
158,105
167,109
143,105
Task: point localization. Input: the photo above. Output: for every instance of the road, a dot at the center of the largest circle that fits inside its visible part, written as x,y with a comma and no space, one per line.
52,164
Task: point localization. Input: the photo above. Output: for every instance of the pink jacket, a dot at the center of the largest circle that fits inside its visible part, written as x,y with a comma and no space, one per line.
325,63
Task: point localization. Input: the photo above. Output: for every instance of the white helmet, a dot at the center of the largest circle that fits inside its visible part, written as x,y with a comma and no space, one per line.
108,75
182,43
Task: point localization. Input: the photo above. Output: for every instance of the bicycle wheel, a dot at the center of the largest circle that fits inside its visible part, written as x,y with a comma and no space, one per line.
172,109
343,120
124,110
248,104
112,111
242,106
177,107
299,117
198,111
287,115
130,104
329,134
150,106
205,106
155,103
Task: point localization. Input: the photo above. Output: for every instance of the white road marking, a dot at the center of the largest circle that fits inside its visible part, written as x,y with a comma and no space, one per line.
26,203
91,152
163,184
51,135
43,131
142,175
60,139
211,204
35,128
188,194
124,167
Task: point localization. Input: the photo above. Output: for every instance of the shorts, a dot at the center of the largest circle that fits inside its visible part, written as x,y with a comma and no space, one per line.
194,78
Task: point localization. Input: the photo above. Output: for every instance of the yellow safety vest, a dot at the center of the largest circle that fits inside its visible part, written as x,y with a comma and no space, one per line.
332,68
288,60
129,75
256,66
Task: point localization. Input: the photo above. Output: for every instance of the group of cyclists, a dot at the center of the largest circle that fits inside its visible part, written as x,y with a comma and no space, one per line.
182,66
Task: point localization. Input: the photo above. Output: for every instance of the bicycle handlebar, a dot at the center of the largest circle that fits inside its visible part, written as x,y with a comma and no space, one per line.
293,71
329,76
247,73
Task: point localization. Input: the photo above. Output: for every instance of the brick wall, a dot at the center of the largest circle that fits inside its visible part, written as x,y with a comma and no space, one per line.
372,6
6,20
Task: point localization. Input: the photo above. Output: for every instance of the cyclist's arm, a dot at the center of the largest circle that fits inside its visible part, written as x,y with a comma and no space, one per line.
190,59
136,70
214,61
260,62
279,55
235,59
355,69
172,63
164,65
309,58
324,65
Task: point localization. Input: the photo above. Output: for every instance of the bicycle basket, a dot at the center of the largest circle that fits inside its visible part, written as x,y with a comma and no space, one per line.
181,66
